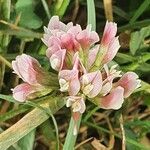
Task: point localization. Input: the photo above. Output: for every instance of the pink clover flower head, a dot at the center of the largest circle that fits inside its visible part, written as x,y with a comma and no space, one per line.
69,38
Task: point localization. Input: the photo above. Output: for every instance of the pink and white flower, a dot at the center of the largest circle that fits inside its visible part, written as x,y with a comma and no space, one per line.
87,38
114,99
109,43
57,59
81,64
76,103
111,74
26,67
34,76
69,79
91,83
22,91
129,82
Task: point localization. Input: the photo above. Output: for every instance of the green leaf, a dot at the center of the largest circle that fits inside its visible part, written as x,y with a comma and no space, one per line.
145,67
124,58
28,18
131,135
70,138
140,11
91,14
6,8
137,39
27,142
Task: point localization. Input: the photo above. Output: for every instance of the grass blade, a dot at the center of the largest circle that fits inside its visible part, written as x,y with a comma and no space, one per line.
46,9
135,25
140,11
26,124
91,14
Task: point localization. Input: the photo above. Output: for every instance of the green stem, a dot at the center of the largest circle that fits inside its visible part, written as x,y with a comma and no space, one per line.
70,138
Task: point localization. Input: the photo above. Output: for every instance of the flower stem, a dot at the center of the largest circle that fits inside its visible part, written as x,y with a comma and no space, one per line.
70,138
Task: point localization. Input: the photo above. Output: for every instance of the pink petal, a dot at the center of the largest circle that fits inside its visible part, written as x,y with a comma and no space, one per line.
76,61
83,107
74,87
54,23
57,59
97,82
67,41
74,30
22,91
109,33
51,50
112,50
114,100
129,82
87,38
106,88
54,45
92,55
68,74
95,79
24,67
71,76
53,40
76,101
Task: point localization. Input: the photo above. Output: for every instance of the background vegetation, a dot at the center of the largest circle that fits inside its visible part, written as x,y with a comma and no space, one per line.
21,29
